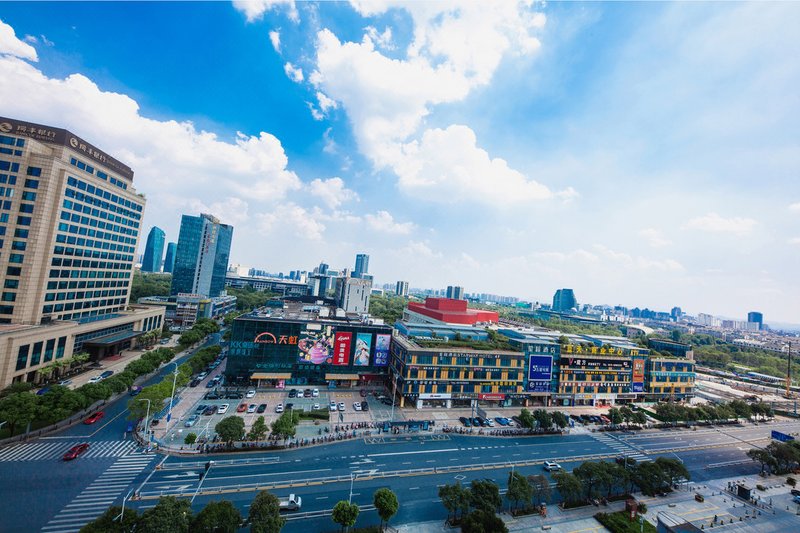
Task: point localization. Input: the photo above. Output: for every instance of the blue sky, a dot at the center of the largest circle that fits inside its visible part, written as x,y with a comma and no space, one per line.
641,153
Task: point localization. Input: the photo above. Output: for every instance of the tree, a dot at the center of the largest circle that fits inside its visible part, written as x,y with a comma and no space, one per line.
650,478
626,413
18,409
540,486
569,486
673,469
385,501
639,418
190,439
345,514
265,514
560,419
615,416
483,521
14,388
285,425
230,429
676,335
543,418
519,490
591,476
762,457
110,522
258,431
215,517
526,419
485,494
170,515
448,495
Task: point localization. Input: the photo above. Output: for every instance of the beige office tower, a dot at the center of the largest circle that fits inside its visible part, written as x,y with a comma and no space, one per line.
70,221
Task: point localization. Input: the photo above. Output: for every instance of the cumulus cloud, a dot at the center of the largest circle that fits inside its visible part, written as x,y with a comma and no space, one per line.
275,39
383,40
294,219
10,45
384,222
332,192
654,237
294,73
714,223
254,9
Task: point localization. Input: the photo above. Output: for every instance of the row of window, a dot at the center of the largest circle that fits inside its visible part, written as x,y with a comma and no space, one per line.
98,213
79,295
53,285
91,243
83,230
91,189
74,217
80,252
5,178
100,174
89,304
12,141
462,374
98,202
40,352
75,274
57,261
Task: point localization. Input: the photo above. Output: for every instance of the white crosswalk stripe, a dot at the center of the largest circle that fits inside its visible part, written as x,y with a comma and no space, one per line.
95,499
48,450
623,448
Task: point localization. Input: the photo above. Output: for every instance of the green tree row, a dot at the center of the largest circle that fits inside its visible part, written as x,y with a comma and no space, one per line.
777,457
149,284
388,307
475,508
673,412
248,298
201,329
20,407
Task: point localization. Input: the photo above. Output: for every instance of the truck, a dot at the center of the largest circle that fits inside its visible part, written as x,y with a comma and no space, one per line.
292,503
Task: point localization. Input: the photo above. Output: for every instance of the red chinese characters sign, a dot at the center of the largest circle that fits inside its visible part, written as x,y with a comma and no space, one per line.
341,348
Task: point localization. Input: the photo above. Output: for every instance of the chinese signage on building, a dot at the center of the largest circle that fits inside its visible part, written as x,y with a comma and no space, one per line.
341,350
382,343
540,372
637,383
596,363
316,345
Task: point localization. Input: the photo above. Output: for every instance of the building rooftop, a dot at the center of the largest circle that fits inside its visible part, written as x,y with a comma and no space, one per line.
440,345
319,311
452,311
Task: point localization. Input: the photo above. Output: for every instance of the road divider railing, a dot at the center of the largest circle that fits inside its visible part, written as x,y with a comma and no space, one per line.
365,476
222,462
323,512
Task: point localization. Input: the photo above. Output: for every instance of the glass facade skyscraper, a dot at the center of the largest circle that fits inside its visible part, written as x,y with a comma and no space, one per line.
362,265
153,250
201,257
169,260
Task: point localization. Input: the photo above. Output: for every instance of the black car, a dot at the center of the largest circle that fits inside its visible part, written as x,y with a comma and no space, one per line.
387,401
210,410
293,393
261,408
464,420
517,420
194,383
307,393
289,406
200,409
364,406
234,396
213,395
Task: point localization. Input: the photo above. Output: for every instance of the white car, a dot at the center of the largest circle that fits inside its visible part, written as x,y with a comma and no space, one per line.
279,408
202,375
252,408
315,393
315,406
490,422
332,406
341,406
250,394
357,406
223,409
96,379
551,465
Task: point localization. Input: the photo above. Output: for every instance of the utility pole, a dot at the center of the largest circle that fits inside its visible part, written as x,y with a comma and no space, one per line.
789,372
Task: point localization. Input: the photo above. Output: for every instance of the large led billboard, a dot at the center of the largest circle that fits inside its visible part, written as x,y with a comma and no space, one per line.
341,348
363,343
540,372
316,345
382,342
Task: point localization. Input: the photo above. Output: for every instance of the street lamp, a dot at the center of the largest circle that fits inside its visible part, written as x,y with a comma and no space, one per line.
394,395
122,513
171,398
350,499
146,416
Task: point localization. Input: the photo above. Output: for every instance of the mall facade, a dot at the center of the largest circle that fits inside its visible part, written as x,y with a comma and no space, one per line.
305,343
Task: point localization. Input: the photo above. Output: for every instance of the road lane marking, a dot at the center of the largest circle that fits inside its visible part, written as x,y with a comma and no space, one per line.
388,454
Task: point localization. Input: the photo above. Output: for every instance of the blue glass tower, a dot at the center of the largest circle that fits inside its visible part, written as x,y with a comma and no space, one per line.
153,250
169,261
201,257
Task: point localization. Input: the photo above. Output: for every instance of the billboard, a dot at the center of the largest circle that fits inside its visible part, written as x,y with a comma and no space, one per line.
382,342
783,437
341,348
363,343
637,382
316,345
540,372
599,363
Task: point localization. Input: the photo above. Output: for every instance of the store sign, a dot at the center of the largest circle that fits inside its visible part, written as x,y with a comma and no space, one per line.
492,397
593,350
382,343
597,363
540,373
269,338
434,396
341,348
637,384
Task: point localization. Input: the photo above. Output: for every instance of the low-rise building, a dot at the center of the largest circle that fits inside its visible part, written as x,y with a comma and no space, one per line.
447,311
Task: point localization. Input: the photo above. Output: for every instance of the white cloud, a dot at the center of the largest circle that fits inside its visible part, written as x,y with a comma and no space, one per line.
330,144
231,210
275,39
10,45
795,207
383,222
332,192
418,250
715,223
794,240
293,219
254,9
30,39
654,237
294,73
383,40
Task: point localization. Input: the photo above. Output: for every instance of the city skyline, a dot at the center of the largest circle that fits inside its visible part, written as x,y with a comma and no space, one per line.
689,199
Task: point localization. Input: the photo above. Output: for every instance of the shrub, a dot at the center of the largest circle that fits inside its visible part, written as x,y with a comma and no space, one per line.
791,481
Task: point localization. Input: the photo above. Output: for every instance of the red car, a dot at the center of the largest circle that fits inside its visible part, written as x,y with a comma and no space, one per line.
94,418
75,451
242,408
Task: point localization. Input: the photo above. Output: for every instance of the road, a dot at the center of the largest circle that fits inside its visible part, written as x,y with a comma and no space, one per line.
42,492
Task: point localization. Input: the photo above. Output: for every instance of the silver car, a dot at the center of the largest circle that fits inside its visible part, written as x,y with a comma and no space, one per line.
192,420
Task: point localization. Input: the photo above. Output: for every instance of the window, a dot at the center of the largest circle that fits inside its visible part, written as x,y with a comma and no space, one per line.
13,271
9,296
18,245
16,258
21,233
31,184
28,195
22,356
34,171
36,354
11,284
24,221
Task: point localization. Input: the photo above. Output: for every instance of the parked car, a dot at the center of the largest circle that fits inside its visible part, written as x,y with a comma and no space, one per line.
364,406
210,410
223,408
363,393
43,391
261,408
502,420
517,420
194,383
289,406
279,408
241,408
107,374
96,379
489,422
551,465
135,391
315,406
341,406
332,406
466,421
94,418
250,394
251,408
234,396
154,422
307,393
200,409
75,451
202,375
211,384
795,492
65,382
293,393
315,393
357,406
192,420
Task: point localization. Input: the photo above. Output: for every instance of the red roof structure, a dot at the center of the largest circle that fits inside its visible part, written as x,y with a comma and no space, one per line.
452,311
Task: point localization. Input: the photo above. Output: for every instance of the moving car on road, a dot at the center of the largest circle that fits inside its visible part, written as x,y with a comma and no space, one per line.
292,503
551,465
75,451
94,418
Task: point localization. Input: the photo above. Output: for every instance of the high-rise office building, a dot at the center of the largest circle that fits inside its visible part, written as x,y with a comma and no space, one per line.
756,317
69,230
169,260
352,294
676,313
564,300
362,265
201,257
153,250
455,292
401,289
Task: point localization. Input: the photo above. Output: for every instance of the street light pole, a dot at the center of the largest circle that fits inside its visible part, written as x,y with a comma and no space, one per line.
146,416
394,395
350,499
122,513
171,398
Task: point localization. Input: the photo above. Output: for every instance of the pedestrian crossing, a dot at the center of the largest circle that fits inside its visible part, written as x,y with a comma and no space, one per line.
624,449
46,450
94,500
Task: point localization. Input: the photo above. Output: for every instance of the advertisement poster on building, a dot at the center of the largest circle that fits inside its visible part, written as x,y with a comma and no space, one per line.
540,372
363,342
316,346
382,349
341,349
638,375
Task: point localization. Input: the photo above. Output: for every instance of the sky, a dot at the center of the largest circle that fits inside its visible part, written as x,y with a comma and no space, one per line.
643,154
